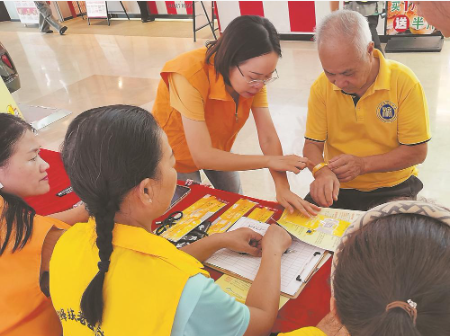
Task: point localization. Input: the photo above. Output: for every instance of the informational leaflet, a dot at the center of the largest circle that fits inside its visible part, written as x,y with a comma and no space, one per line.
193,216
231,216
324,230
261,214
238,289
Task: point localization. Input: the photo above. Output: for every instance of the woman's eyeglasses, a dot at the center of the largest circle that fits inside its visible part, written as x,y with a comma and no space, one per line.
256,82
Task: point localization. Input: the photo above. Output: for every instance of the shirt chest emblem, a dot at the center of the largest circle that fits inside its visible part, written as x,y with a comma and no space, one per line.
387,111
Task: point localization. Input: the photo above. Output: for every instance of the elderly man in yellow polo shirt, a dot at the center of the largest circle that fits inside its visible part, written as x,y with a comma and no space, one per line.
367,125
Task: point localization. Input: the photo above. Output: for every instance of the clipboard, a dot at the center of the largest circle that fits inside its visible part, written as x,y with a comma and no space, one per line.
300,261
303,284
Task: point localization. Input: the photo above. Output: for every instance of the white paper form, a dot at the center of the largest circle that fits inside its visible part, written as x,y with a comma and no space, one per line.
292,263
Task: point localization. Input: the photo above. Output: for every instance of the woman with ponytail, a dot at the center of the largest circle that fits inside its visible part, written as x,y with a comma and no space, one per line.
26,239
112,276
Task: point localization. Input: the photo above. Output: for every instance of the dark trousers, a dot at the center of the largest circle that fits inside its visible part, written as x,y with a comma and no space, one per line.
373,23
364,200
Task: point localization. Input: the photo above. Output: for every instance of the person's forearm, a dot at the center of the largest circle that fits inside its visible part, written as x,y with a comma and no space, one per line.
314,153
72,216
204,248
216,159
264,294
400,158
273,147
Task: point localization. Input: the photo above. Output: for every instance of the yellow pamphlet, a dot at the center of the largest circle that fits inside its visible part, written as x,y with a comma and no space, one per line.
193,216
324,230
239,289
231,216
261,214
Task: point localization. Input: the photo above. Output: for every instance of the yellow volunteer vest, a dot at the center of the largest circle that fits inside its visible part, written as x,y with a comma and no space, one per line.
309,331
220,108
142,288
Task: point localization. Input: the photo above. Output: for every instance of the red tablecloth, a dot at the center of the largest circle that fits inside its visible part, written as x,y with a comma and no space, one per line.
307,310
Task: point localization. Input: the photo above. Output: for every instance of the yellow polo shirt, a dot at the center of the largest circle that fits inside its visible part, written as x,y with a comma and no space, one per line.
189,102
392,112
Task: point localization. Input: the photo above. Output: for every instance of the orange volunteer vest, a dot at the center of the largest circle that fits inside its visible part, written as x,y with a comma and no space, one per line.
24,309
220,108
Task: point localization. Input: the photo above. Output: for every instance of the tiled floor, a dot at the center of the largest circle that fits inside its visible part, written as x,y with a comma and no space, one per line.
81,71
134,27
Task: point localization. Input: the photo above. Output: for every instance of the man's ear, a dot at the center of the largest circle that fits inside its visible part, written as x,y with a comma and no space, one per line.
370,48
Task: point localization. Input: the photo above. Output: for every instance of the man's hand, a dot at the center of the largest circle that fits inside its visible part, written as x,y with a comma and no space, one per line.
325,188
346,167
291,201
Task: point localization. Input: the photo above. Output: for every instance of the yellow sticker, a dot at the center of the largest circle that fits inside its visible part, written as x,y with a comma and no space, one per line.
193,216
231,216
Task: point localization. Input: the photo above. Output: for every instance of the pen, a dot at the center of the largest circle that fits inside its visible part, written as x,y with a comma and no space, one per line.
289,250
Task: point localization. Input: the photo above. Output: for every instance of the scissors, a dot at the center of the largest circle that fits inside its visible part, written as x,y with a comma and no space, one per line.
168,222
198,233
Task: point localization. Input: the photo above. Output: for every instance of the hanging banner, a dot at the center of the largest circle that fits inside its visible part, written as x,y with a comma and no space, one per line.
402,19
28,13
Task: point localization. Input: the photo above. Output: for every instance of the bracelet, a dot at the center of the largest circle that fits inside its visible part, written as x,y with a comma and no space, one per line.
318,167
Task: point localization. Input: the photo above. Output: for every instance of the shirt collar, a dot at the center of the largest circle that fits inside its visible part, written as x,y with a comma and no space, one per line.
217,88
383,80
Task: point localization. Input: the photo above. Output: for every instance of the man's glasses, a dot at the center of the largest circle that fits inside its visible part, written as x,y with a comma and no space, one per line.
255,82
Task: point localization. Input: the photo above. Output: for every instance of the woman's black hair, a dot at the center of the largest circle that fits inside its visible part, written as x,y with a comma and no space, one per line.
244,38
107,152
17,215
395,258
